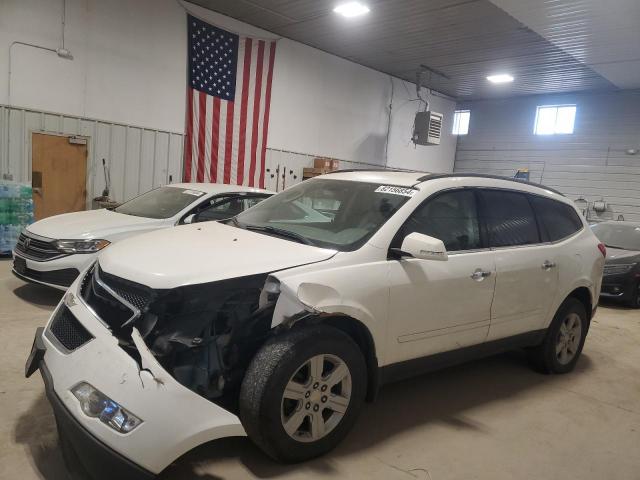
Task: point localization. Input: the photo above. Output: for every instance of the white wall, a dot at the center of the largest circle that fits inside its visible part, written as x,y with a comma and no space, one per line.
592,163
129,67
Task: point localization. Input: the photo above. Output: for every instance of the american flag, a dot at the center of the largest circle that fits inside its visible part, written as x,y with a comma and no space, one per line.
228,100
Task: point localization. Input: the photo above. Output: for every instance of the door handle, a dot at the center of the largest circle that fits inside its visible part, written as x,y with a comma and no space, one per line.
547,265
479,275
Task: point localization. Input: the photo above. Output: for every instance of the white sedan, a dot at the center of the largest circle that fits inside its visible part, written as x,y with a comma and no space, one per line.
53,251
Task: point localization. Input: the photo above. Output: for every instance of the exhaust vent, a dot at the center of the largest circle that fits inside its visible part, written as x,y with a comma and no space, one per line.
427,128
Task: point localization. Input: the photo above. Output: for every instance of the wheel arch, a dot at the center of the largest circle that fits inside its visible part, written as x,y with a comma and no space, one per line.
583,294
361,335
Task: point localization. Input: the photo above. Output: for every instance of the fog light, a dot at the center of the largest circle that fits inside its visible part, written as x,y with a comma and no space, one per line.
96,404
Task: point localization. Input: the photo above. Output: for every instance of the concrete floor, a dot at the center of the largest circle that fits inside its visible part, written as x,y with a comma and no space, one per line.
493,419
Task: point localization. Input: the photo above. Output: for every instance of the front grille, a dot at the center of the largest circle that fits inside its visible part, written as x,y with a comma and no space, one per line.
617,269
110,308
137,295
37,248
68,330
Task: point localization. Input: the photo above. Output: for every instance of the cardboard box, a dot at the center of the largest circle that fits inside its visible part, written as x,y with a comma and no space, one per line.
322,163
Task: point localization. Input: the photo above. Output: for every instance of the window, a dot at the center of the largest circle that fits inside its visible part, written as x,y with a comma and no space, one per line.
452,217
554,119
557,220
510,219
461,122
220,209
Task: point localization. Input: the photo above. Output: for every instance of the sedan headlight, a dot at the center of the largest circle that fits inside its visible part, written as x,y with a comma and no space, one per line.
617,269
96,404
81,246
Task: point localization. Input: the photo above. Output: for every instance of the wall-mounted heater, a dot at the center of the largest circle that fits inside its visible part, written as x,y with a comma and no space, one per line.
427,128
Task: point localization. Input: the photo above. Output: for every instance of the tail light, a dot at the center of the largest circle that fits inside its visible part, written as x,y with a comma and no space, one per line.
603,249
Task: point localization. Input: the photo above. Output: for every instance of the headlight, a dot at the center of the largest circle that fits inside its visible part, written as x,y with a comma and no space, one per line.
617,269
96,404
81,246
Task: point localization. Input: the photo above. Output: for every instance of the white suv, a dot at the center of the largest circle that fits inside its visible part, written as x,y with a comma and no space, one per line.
279,324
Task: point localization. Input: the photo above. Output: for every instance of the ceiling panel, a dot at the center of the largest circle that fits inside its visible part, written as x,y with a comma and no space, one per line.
465,39
604,34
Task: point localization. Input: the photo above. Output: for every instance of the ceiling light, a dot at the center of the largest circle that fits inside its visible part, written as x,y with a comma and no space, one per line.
500,78
351,9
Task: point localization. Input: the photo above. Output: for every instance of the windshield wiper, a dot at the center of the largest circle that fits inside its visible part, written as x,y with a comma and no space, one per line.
281,232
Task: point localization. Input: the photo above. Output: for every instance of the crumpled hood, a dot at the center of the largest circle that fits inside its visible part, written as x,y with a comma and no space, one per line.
203,252
618,255
89,224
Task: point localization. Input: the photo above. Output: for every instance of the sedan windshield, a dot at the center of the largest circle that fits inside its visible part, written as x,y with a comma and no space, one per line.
163,202
618,235
335,214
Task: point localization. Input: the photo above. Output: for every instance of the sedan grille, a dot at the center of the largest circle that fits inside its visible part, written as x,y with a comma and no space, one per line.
617,269
38,249
68,330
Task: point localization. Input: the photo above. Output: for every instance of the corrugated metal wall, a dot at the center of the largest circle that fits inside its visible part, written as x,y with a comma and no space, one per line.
593,163
139,158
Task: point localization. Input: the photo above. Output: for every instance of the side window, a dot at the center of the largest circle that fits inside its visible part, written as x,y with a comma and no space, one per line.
221,209
251,201
452,217
557,220
510,219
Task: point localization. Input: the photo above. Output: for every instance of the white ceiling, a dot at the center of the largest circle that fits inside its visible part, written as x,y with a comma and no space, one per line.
603,34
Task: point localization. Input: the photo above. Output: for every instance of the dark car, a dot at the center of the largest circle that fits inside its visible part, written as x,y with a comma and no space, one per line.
621,280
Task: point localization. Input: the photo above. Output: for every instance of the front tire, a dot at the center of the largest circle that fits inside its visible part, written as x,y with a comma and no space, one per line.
564,339
302,392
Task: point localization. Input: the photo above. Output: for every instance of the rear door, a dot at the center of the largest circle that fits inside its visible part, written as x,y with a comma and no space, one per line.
526,270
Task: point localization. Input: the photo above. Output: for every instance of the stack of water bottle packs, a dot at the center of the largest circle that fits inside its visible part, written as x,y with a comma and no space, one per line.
16,212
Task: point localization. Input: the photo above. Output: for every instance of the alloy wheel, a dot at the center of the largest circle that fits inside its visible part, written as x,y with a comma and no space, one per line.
568,339
316,398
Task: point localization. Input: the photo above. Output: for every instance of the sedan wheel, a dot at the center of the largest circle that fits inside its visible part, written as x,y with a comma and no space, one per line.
316,398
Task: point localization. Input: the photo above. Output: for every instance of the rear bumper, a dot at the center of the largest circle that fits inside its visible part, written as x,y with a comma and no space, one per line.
174,418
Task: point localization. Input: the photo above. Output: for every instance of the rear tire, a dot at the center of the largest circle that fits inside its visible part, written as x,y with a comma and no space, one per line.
563,341
293,385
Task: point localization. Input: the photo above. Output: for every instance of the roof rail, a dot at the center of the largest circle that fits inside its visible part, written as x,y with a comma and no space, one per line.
436,176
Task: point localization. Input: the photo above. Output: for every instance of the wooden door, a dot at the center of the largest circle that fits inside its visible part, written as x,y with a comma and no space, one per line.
58,175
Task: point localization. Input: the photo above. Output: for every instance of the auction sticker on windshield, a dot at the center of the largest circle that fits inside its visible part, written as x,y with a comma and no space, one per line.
407,192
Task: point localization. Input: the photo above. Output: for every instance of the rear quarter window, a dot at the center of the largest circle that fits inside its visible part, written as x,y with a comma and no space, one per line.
557,220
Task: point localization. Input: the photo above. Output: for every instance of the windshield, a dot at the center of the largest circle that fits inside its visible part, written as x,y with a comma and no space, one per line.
335,214
618,235
163,202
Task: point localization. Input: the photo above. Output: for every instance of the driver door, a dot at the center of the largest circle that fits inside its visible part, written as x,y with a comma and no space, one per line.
442,305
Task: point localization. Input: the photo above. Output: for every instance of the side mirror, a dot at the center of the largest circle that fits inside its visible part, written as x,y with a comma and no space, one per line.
424,247
189,219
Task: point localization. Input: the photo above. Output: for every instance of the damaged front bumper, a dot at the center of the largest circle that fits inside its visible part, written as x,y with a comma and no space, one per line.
174,418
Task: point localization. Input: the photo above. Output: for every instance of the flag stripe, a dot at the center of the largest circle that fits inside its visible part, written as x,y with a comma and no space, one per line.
202,120
267,105
243,109
256,112
215,138
188,151
229,150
